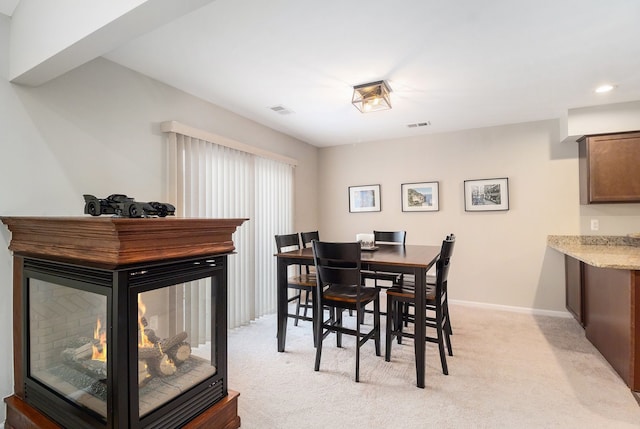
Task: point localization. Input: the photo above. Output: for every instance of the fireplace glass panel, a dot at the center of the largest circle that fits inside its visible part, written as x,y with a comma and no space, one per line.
68,343
176,345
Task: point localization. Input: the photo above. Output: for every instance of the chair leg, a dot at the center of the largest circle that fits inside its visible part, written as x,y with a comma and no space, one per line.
338,322
313,320
448,341
407,306
306,302
318,326
390,322
359,310
376,324
401,308
446,312
295,323
447,338
443,357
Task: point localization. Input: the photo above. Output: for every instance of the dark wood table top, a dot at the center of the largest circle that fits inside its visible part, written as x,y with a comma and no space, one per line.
407,256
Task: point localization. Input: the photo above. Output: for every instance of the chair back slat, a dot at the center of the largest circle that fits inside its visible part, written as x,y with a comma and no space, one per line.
337,263
285,241
308,237
346,276
390,237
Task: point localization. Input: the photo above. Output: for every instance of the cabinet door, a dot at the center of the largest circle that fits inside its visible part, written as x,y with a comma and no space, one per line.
609,170
574,288
610,325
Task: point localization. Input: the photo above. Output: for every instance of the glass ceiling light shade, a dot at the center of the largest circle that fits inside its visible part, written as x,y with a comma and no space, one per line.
370,97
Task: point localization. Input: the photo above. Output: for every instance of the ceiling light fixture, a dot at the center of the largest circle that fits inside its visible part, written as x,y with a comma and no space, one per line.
604,88
371,97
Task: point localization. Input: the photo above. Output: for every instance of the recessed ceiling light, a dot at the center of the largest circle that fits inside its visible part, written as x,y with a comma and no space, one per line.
604,88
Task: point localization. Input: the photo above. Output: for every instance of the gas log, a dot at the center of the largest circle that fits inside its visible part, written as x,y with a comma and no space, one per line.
179,353
161,367
163,357
168,343
79,353
80,359
159,359
143,374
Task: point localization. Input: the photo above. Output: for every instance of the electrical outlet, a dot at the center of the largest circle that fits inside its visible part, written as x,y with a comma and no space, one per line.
595,224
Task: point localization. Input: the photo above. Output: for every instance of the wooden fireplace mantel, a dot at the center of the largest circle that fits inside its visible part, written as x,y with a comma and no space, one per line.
110,242
113,242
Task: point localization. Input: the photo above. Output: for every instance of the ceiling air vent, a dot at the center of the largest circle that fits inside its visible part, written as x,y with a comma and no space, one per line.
281,110
419,124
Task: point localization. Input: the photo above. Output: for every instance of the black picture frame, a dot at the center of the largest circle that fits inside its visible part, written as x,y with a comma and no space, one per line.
420,197
365,198
483,195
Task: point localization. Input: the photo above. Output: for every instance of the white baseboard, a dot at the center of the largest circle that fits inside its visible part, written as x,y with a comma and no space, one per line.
526,310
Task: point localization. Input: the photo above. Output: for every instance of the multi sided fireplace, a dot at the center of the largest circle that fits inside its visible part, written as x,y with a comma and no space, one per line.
123,321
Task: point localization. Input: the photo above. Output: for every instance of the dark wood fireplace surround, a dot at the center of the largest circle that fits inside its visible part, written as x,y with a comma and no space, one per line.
109,242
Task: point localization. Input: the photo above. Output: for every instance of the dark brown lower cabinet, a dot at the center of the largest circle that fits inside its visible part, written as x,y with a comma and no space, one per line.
611,316
574,287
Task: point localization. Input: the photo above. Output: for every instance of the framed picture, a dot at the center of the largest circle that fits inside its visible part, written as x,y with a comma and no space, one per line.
364,198
419,197
486,195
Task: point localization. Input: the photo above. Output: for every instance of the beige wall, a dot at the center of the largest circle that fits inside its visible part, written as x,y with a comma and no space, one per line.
96,130
500,257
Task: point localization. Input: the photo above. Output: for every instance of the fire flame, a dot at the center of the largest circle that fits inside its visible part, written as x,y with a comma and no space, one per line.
100,353
101,335
144,339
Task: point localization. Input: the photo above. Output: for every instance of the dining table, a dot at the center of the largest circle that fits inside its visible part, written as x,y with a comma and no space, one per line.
406,259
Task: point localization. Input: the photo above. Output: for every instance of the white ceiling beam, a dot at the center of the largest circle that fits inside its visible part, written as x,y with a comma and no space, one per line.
602,119
50,38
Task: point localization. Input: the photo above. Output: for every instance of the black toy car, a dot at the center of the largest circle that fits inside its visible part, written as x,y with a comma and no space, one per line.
121,205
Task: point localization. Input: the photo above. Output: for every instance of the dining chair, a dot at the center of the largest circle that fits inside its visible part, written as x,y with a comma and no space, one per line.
436,307
431,281
339,288
307,238
388,279
386,237
302,281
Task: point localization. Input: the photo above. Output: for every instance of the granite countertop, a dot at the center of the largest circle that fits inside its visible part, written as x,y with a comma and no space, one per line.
619,252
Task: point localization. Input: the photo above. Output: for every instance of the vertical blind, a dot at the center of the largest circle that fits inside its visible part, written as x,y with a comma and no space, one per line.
273,215
215,181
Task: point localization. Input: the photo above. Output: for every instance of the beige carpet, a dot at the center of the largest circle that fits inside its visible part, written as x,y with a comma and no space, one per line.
509,370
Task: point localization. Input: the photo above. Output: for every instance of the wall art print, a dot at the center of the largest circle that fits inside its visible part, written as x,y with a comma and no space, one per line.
364,198
420,197
486,195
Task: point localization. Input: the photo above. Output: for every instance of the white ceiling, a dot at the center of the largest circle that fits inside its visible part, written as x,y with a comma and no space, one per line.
8,6
457,64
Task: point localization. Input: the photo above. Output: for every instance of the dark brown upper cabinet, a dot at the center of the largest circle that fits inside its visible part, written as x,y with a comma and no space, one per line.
610,168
